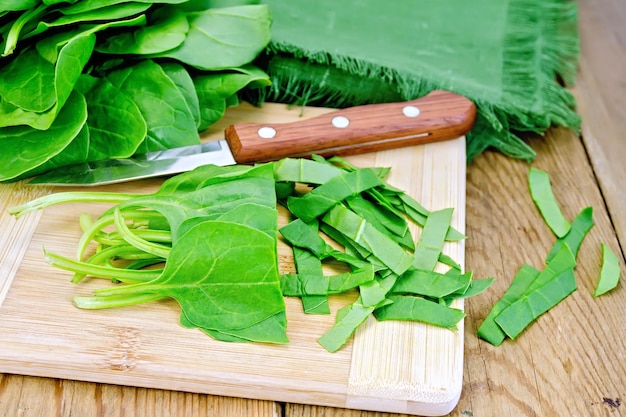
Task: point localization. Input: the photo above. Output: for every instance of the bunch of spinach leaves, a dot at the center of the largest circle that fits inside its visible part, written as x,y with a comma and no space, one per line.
208,239
85,80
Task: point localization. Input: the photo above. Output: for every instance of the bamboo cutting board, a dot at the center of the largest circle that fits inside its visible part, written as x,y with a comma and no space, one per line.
394,367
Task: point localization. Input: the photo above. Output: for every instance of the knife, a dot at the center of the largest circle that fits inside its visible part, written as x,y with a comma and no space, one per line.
437,116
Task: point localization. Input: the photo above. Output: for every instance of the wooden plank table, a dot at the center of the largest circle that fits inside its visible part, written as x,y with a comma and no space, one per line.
572,361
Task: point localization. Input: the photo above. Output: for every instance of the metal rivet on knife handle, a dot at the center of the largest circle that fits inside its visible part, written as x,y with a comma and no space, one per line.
411,111
340,122
267,132
373,127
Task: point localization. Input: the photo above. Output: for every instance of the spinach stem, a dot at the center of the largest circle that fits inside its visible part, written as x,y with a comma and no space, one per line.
94,303
69,197
120,274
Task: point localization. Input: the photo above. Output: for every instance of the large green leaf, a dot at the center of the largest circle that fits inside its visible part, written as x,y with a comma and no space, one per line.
15,5
72,58
166,29
116,125
180,76
169,120
27,82
75,152
224,38
115,12
90,5
214,89
207,274
25,148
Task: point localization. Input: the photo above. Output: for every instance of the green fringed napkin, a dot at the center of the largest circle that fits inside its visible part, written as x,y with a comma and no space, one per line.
504,55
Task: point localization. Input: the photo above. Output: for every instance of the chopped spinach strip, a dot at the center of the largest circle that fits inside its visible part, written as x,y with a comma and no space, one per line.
196,229
542,195
609,273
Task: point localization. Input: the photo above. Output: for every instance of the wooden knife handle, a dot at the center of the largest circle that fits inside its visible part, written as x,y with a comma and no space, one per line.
437,116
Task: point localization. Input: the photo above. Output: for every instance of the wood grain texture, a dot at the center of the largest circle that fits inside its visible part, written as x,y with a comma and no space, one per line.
564,365
439,116
26,396
601,93
573,357
144,346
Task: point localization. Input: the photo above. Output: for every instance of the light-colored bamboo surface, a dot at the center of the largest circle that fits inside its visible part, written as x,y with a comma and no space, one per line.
570,362
389,366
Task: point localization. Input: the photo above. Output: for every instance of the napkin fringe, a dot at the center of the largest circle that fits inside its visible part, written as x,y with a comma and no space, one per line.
322,78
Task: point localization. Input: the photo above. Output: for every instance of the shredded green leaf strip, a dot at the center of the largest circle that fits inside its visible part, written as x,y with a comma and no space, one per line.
310,265
419,214
419,309
542,195
550,287
476,286
348,319
323,198
305,171
431,240
489,330
515,318
430,283
360,231
578,230
609,273
200,224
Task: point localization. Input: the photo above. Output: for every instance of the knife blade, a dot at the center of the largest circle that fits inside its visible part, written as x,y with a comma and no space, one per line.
440,115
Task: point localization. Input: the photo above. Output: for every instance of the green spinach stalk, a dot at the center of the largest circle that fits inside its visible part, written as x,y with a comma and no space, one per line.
187,240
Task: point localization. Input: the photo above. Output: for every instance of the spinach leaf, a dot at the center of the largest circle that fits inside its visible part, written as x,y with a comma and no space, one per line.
228,37
550,286
84,6
489,330
211,200
306,171
116,125
321,199
348,319
542,195
115,12
430,283
16,5
206,276
419,309
516,317
75,152
609,273
385,220
26,148
573,239
14,32
181,78
314,301
362,233
215,88
206,175
167,28
431,240
49,46
28,82
163,107
72,58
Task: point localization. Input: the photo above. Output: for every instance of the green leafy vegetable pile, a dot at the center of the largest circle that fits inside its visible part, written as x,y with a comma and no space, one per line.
208,239
85,80
533,292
